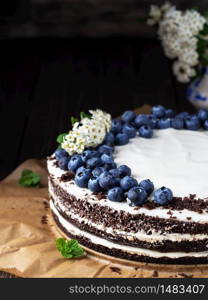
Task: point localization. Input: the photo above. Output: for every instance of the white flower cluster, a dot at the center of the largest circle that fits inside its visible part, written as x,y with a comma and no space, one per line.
178,33
89,132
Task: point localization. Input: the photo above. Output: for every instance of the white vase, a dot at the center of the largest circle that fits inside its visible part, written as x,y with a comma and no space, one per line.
197,91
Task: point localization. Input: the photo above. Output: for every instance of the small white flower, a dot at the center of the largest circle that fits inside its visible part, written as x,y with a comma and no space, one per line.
166,6
151,22
189,56
155,12
182,71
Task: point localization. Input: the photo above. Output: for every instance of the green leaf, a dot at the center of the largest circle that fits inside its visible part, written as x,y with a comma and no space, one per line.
202,47
69,249
60,138
60,243
74,120
84,115
29,178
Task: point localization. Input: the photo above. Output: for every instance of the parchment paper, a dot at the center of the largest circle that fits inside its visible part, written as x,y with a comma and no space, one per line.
27,239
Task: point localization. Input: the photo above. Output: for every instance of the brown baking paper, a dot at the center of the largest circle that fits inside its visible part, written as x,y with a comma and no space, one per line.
28,234
27,243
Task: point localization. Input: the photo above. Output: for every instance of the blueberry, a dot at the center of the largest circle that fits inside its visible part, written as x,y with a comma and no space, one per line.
129,130
114,172
87,154
105,149
169,113
107,159
128,182
203,114
93,185
128,116
107,181
163,196
109,138
97,171
82,178
59,153
116,194
153,121
192,123
121,139
158,111
94,162
137,195
75,162
104,174
116,126
177,123
109,167
164,123
124,171
147,185
141,120
205,125
146,132
80,169
182,115
63,163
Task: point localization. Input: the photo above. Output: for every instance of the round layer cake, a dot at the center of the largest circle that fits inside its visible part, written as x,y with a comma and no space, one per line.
173,233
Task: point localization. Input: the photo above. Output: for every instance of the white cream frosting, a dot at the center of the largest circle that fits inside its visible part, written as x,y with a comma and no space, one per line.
161,212
134,250
140,235
177,159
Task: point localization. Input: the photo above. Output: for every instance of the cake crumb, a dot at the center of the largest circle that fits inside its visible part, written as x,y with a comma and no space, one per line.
186,275
46,204
155,274
116,270
68,176
44,220
100,195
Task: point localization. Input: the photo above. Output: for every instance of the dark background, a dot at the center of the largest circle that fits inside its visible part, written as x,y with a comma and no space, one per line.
60,57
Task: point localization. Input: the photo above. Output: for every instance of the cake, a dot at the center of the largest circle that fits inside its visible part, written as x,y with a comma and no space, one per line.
135,188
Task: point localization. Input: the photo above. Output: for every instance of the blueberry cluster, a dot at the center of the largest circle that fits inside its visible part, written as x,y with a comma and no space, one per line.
162,118
96,169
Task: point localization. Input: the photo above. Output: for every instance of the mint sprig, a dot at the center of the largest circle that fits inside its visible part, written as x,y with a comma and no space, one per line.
69,249
29,178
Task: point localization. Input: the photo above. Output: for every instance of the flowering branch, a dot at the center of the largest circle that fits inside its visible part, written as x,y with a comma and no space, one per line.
184,37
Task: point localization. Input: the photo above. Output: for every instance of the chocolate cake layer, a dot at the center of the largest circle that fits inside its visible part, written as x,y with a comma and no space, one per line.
124,220
164,246
186,260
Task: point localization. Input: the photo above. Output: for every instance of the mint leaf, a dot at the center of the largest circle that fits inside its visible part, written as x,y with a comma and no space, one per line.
60,138
60,243
69,249
84,115
74,120
29,178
